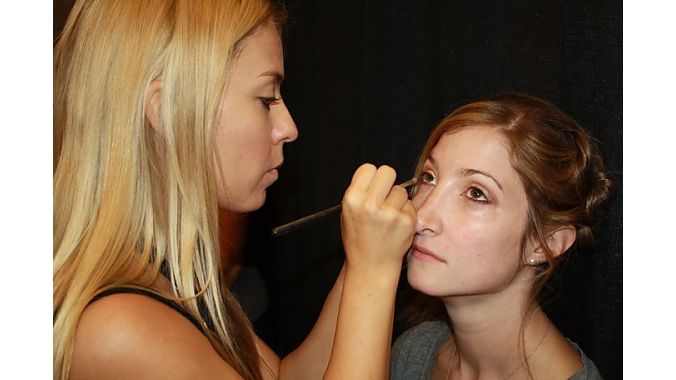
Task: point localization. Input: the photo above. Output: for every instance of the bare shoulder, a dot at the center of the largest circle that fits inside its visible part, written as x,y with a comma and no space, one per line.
130,336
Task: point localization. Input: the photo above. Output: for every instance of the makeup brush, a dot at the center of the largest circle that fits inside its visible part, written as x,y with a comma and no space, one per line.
288,227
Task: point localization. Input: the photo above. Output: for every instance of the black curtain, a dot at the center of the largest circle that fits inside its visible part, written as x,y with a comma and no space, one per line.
368,80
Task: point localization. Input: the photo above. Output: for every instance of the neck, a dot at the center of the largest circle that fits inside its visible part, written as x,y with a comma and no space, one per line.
487,331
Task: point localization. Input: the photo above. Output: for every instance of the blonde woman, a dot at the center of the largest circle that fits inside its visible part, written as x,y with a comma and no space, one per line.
165,111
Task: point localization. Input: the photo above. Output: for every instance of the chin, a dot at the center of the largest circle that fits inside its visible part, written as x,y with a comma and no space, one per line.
245,205
255,204
260,203
423,282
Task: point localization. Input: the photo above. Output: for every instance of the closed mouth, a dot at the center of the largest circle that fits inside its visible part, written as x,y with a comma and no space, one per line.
424,251
277,166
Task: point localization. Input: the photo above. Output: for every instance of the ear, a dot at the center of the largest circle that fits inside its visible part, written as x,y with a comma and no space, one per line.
558,242
152,105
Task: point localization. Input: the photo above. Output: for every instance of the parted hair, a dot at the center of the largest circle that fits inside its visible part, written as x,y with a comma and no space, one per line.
557,161
131,202
559,165
561,170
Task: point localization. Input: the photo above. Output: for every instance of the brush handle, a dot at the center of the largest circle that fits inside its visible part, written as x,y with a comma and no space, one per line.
288,227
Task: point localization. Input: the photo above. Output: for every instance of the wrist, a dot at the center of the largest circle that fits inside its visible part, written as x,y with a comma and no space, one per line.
382,275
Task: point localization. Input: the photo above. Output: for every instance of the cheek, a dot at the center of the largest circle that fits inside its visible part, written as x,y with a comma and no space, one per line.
254,139
243,126
481,257
245,142
492,244
243,156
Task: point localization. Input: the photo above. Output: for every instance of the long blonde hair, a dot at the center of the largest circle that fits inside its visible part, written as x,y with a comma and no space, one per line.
128,199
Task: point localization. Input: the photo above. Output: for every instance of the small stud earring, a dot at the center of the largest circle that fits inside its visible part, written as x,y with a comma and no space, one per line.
533,261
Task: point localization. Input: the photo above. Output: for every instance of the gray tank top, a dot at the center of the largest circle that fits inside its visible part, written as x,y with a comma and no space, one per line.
414,354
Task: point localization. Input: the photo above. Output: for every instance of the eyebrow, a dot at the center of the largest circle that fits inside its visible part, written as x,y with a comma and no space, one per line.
276,75
469,172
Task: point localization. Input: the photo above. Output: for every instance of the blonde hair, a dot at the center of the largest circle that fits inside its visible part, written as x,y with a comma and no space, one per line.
128,199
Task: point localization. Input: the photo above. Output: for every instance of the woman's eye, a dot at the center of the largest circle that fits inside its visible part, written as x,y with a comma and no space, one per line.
427,177
267,101
476,194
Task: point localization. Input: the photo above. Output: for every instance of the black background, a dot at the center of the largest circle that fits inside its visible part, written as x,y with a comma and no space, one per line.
368,80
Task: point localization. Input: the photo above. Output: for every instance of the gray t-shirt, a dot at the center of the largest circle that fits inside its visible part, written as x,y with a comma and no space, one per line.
414,354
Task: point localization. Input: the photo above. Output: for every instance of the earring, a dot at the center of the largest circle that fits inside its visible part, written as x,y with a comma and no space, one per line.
533,261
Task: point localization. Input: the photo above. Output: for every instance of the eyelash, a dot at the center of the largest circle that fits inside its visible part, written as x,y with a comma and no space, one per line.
474,189
267,101
426,180
473,193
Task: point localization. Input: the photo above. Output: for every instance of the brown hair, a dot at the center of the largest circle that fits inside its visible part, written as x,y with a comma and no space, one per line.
558,164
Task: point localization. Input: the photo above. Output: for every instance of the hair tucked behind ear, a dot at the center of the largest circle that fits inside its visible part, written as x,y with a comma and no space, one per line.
557,160
558,164
129,199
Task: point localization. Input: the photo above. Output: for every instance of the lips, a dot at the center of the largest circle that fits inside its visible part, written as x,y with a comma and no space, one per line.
277,166
425,254
273,173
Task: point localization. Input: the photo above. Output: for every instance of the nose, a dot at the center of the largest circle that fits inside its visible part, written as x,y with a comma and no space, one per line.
283,128
428,212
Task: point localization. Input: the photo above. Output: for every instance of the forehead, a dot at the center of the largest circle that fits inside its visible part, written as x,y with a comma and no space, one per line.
478,143
261,52
481,148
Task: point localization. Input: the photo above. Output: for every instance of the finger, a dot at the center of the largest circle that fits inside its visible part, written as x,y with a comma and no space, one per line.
397,198
410,210
381,184
361,179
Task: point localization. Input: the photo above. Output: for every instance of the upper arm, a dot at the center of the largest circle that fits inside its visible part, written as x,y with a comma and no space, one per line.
270,360
129,336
